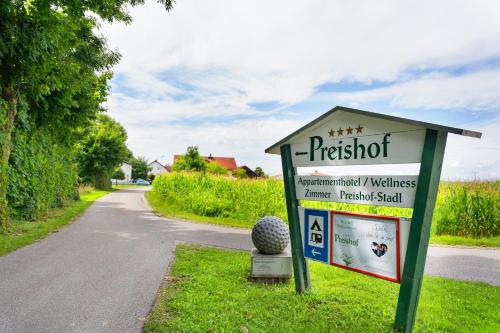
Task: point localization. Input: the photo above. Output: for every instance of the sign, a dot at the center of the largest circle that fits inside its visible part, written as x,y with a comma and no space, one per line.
346,136
316,242
358,140
396,191
370,244
271,266
367,244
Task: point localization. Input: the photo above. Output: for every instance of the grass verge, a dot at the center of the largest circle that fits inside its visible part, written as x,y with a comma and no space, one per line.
212,294
162,207
22,233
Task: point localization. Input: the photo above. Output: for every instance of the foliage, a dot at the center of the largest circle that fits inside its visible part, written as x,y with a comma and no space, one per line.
118,174
191,161
140,168
205,195
151,177
42,175
53,70
101,151
215,168
471,210
213,294
240,173
259,172
248,200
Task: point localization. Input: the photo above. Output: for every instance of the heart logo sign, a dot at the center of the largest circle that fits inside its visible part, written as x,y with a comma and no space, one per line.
379,249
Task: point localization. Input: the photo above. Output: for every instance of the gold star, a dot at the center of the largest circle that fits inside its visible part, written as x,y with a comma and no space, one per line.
331,132
349,130
359,129
340,131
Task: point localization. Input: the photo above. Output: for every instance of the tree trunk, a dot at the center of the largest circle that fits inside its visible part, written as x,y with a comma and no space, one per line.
8,110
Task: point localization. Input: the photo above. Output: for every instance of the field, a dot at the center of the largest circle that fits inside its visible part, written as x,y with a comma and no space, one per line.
212,294
467,213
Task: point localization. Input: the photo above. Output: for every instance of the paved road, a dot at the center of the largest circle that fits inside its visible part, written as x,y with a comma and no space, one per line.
101,273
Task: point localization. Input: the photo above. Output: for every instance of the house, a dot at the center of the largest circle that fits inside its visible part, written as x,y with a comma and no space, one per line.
250,173
156,168
317,173
127,171
227,162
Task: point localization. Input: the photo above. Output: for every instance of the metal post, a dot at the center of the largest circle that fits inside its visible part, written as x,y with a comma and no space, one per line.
425,199
300,270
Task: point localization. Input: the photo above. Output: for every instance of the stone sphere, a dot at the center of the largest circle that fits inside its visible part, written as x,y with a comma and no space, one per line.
270,235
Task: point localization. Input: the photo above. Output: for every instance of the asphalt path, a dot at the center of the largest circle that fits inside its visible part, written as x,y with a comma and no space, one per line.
101,273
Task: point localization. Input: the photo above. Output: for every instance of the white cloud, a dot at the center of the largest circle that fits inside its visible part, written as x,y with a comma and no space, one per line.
232,54
469,158
474,91
245,140
280,50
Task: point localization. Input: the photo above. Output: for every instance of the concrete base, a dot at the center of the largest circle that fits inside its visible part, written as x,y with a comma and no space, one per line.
271,268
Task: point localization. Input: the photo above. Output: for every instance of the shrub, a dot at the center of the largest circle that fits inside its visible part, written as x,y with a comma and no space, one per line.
42,175
215,168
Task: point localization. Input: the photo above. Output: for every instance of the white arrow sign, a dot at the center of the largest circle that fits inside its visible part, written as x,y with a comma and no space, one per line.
314,252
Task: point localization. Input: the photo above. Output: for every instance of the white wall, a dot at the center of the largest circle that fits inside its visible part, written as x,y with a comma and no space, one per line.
157,168
127,170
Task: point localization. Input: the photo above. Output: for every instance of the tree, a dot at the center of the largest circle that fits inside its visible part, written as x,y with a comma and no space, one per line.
53,68
259,172
102,151
140,168
118,175
216,169
191,161
240,173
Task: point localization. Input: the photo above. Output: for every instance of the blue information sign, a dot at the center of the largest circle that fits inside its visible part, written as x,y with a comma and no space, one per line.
316,234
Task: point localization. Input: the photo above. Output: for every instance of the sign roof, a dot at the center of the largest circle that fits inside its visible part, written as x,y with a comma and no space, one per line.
275,148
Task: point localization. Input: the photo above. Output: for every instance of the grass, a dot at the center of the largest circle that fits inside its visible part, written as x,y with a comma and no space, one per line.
212,294
465,241
169,206
164,208
22,233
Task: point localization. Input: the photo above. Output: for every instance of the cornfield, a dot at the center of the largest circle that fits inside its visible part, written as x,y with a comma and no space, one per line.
468,209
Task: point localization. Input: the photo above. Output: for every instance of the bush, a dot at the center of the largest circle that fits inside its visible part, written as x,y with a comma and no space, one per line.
216,169
42,175
470,210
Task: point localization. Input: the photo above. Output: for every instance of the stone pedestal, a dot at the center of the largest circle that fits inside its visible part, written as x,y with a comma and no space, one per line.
271,268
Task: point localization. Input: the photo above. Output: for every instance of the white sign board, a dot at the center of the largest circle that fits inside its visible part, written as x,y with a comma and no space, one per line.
397,191
370,244
354,139
366,244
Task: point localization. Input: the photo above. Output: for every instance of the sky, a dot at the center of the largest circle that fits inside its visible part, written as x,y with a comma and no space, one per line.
234,77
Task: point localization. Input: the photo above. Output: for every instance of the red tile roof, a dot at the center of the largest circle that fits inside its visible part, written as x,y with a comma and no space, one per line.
227,162
317,173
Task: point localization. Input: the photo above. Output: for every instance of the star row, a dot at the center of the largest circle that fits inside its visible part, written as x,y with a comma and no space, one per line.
340,131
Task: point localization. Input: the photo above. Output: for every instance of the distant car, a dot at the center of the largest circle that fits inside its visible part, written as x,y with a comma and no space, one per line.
141,181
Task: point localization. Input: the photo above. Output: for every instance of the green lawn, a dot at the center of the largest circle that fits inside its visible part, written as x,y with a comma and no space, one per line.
22,233
164,208
208,291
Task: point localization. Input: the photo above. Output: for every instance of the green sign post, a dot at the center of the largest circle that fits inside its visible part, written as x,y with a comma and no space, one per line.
345,136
